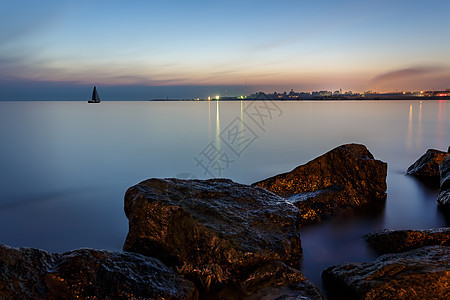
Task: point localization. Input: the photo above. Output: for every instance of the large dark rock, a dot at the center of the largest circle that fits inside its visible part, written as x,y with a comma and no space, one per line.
427,166
444,192
340,181
396,241
27,273
214,231
423,273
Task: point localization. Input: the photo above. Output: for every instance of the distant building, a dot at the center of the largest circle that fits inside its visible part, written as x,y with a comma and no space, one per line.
348,95
325,93
445,93
293,95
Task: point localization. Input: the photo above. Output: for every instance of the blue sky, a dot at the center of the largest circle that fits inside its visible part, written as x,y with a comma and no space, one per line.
162,47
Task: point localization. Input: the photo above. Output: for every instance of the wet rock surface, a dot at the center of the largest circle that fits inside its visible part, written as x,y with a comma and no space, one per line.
214,231
275,280
444,192
427,166
27,273
341,181
397,241
422,273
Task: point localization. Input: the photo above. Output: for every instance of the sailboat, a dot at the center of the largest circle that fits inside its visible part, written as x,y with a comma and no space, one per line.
95,97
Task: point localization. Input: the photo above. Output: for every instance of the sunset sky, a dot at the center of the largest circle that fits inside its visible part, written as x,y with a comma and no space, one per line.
150,49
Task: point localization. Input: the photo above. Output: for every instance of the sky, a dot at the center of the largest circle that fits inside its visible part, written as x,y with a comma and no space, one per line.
136,50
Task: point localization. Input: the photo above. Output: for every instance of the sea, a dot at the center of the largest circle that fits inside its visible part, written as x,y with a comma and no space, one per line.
65,166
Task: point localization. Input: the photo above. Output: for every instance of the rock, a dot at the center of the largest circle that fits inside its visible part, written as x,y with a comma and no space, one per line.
340,181
27,273
427,166
275,280
214,231
396,241
444,192
423,273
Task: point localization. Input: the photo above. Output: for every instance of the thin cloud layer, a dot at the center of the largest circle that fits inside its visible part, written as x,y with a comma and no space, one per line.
407,73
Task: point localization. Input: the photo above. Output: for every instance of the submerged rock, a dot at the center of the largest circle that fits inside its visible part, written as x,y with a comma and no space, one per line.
340,181
214,231
427,166
27,273
444,192
422,273
396,241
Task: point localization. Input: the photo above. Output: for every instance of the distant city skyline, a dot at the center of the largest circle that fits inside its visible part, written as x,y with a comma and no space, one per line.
153,49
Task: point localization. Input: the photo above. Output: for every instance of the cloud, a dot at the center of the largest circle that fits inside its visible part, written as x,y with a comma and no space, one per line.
407,73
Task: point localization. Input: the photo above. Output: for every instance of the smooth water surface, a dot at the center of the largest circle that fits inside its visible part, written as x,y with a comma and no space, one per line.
65,166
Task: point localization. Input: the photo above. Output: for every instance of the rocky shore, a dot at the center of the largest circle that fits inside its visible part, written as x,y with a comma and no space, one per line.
422,273
444,191
427,166
344,180
434,168
217,239
215,232
414,264
397,241
88,274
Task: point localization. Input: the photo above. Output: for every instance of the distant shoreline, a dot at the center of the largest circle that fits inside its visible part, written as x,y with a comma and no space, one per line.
254,99
312,99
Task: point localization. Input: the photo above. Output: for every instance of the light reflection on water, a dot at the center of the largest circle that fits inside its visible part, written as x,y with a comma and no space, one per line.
218,127
66,165
409,136
419,127
441,131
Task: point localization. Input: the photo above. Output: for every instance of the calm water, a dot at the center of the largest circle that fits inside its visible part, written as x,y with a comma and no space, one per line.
65,166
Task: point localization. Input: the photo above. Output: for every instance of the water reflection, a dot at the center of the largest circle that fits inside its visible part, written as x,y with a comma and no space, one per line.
410,128
441,125
419,128
218,127
421,112
209,119
242,116
339,240
48,147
